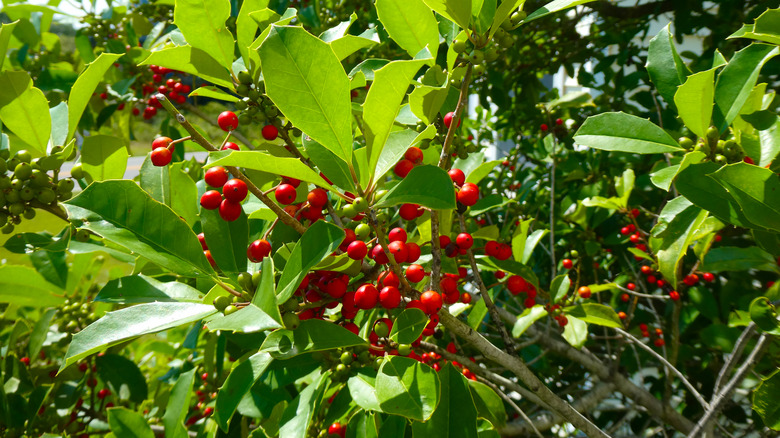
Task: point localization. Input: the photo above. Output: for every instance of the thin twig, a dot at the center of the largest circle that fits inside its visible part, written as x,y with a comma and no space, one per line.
735,353
514,406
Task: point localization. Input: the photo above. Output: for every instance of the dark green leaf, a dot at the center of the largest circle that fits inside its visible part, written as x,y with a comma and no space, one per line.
664,65
489,404
559,287
674,233
298,415
625,133
227,241
362,388
179,404
595,313
128,424
729,258
428,186
554,6
755,189
136,289
408,388
408,326
765,401
247,319
237,384
311,335
123,377
456,414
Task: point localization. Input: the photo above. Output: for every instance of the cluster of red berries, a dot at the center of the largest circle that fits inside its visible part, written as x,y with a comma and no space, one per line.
518,285
659,340
436,361
498,250
412,157
557,314
234,191
544,127
173,88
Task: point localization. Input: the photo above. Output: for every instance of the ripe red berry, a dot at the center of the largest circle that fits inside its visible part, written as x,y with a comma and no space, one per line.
464,241
337,429
413,251
403,168
270,132
622,315
631,286
516,284
317,198
389,297
366,296
708,277
227,120
624,298
25,360
103,393
544,127
646,269
398,250
500,274
674,295
161,142
659,342
584,292
431,301
492,248
216,176
448,119
229,211
567,263
415,273
161,157
258,250
409,212
335,287
397,234
229,145
559,122
357,250
414,154
468,195
634,238
211,200
504,252
465,298
378,254
457,176
285,194
235,190
388,278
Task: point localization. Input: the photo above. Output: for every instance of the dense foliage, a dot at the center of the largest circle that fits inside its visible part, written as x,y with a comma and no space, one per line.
341,256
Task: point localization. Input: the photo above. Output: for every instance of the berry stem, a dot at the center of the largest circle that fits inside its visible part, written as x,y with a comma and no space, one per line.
180,140
462,101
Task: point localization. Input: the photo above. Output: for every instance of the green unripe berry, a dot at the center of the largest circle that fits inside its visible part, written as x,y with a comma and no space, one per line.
12,196
346,358
3,219
221,302
242,90
379,194
77,171
3,167
245,280
252,110
362,231
27,194
477,57
291,321
703,148
360,204
17,184
491,54
720,159
381,329
254,94
241,105
82,235
244,77
517,17
574,253
507,41
5,154
16,208
404,349
244,119
459,46
348,211
65,185
290,305
46,196
8,229
64,196
507,25
271,112
23,156
12,163
382,217
230,309
39,179
29,213
685,142
246,296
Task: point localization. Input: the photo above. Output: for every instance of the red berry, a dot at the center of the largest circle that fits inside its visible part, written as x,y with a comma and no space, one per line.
25,360
389,297
567,263
211,200
161,142
258,250
584,292
622,315
161,157
413,251
414,154
492,248
403,168
544,127
415,273
464,241
559,122
500,274
397,234
399,251
317,198
379,256
229,211
708,277
229,145
235,190
83,367
227,120
444,241
631,286
624,298
516,284
457,176
357,250
465,298
270,132
625,231
103,393
337,429
388,278
335,287
448,119
504,252
216,176
674,295
285,194
659,342
468,195
366,296
409,212
634,238
431,301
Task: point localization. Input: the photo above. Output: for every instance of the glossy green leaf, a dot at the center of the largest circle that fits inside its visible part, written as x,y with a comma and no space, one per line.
527,318
135,289
24,110
128,424
104,157
203,25
24,286
394,148
131,322
510,267
737,80
755,189
730,258
191,60
694,100
764,314
383,102
246,27
482,14
625,133
595,313
428,186
305,80
362,425
664,65
362,388
298,415
408,326
457,11
575,332
678,223
347,44
178,404
333,167
238,383
213,92
40,330
85,85
59,124
311,335
123,213
489,404
456,414
172,186
559,287
426,101
765,401
408,388
123,376
321,239
255,160
265,295
519,238
664,178
248,319
227,241
553,7
410,24
6,31
483,170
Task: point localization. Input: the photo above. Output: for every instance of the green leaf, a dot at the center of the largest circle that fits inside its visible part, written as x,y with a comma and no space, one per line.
38,335
482,171
457,11
255,160
489,404
394,148
664,178
85,85
559,287
553,7
179,403
6,30
203,25
527,318
456,414
595,313
24,286
383,103
213,92
408,326
362,425
330,164
674,233
246,27
575,332
104,157
730,258
765,401
305,80
24,110
265,295
426,101
128,424
411,24
348,44
362,388
626,133
408,388
227,241
429,186
519,238
191,60
755,189
311,335
298,415
238,383
123,376
123,213
510,267
764,314
321,239
664,65
694,100
248,319
737,80
135,289
131,322
172,186
59,124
